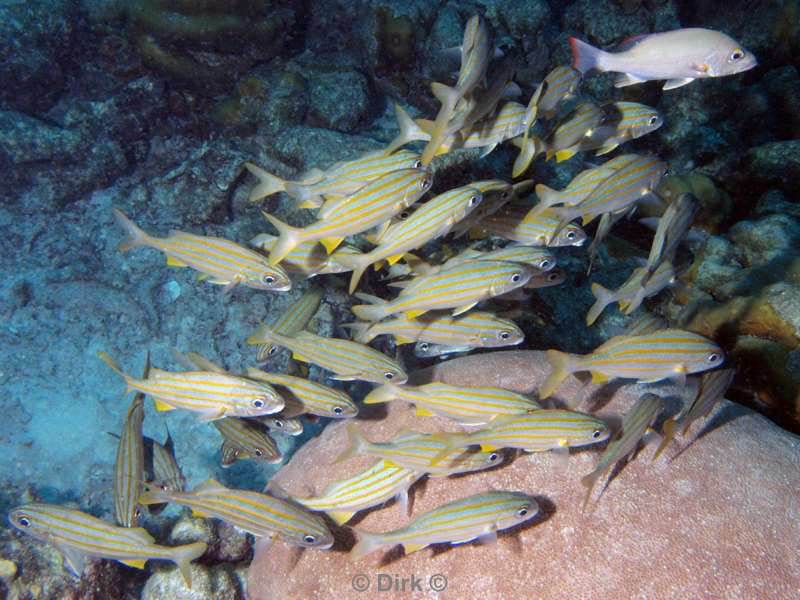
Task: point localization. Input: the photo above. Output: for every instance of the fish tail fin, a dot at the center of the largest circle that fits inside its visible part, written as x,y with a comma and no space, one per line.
263,335
383,393
585,57
184,555
267,185
370,312
547,196
360,331
409,130
304,196
106,358
448,96
562,364
358,444
135,236
604,298
366,542
588,482
669,432
288,238
358,263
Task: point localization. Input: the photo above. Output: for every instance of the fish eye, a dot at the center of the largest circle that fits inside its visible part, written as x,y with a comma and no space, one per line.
552,277
653,120
24,521
417,164
713,357
424,346
425,183
272,350
493,457
504,335
544,264
403,215
337,410
388,375
570,235
269,279
278,423
522,511
507,195
596,434
258,452
737,54
258,403
516,277
473,200
309,539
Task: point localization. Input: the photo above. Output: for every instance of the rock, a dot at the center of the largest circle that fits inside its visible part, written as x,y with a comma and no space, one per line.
340,100
714,517
216,583
767,239
776,163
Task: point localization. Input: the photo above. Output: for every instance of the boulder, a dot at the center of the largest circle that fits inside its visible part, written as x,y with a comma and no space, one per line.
715,516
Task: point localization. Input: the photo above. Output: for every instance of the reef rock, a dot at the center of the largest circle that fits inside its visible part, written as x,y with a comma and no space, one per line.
716,516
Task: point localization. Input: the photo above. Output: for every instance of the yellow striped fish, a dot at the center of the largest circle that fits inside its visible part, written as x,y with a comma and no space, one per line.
575,126
519,223
210,394
622,121
460,287
308,259
510,121
535,431
477,517
242,440
663,354
79,537
477,329
466,405
375,203
535,256
317,399
287,425
496,194
258,514
635,424
558,86
672,226
429,350
161,468
129,464
432,220
713,386
294,320
349,360
220,261
340,180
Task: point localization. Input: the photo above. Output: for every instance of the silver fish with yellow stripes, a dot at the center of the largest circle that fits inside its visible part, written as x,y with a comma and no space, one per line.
535,256
476,329
713,386
520,223
559,86
476,517
543,279
287,425
338,181
429,350
80,537
317,399
432,220
162,467
663,354
349,360
129,463
259,514
511,120
460,287
375,203
635,424
496,194
218,260
295,319
466,405
308,259
672,226
210,394
242,440
621,122
573,128
630,294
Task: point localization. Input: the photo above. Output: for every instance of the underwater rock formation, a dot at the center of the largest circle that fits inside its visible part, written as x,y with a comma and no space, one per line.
716,516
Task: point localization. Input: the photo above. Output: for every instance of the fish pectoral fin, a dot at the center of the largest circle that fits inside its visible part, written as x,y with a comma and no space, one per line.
462,309
200,513
671,84
490,537
174,262
162,406
300,357
562,155
424,412
331,243
606,149
701,67
340,517
413,547
76,561
626,79
345,378
136,563
413,314
207,418
308,203
599,377
394,258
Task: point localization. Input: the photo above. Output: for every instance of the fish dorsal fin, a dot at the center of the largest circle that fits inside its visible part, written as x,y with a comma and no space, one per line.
202,363
162,406
210,485
136,563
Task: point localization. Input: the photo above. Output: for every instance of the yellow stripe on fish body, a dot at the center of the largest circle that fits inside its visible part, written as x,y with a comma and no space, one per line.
466,405
560,84
496,194
576,125
249,440
459,287
663,354
210,394
308,259
258,514
349,360
222,261
509,122
622,121
535,256
79,536
519,223
463,520
317,399
295,319
129,466
166,470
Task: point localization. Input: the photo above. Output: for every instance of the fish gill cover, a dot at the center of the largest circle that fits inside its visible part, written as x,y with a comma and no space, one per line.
346,193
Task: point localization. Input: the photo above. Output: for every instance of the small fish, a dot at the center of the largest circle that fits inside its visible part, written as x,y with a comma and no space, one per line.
431,221
339,181
308,259
511,120
535,256
672,226
713,385
663,354
519,223
259,514
79,537
161,468
287,425
460,287
373,204
496,194
529,148
349,360
477,517
477,329
429,350
294,320
621,122
129,463
210,394
559,86
630,294
679,56
218,260
635,424
545,279
317,399
577,125
465,405
242,440
645,323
